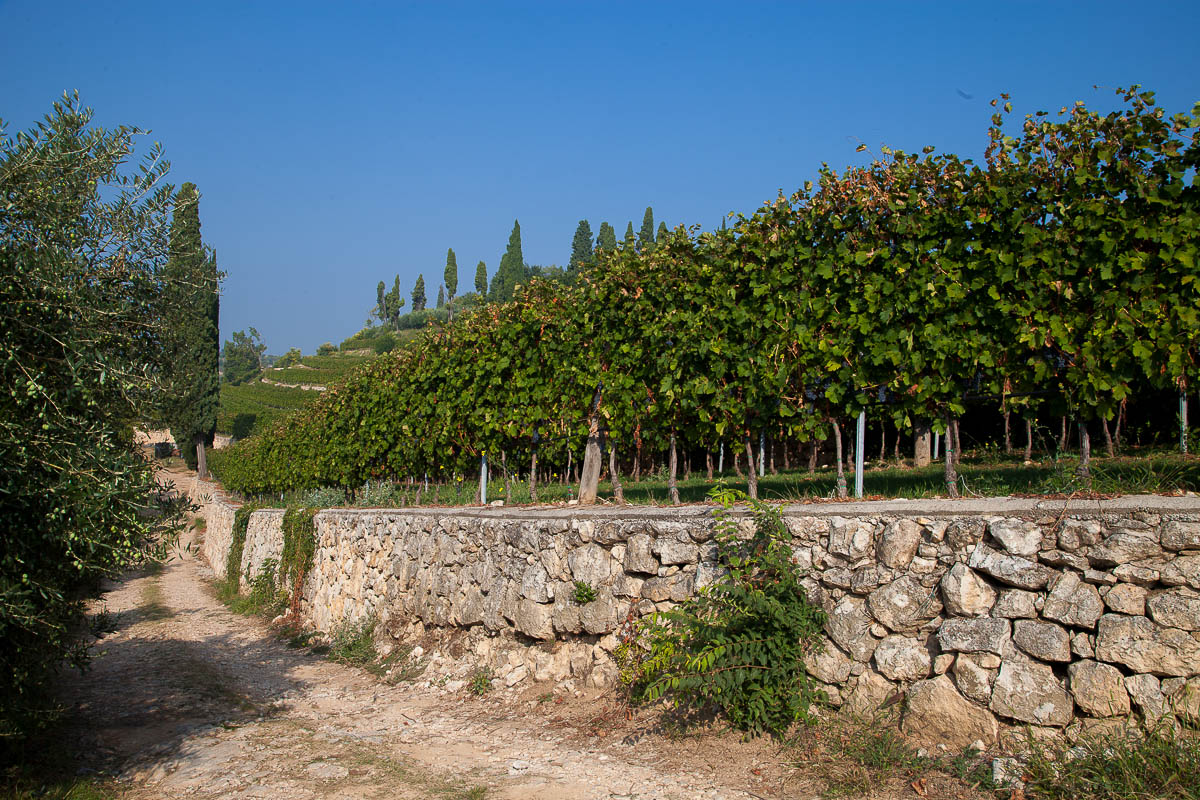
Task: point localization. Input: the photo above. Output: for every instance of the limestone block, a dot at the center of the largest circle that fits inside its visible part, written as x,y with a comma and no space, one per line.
829,664
1099,689
848,624
1017,536
590,563
600,615
871,690
676,587
469,609
936,714
851,538
709,572
565,615
1012,570
837,577
965,594
1185,701
1183,570
978,635
903,604
1061,559
535,620
1147,696
670,551
1123,548
900,658
535,584
1126,598
1181,535
1028,691
625,585
1143,646
1131,573
1082,645
1043,640
964,533
638,555
1179,608
865,579
899,543
1073,602
1015,604
973,678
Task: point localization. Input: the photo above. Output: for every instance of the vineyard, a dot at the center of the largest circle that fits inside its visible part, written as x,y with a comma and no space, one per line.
253,407
1057,280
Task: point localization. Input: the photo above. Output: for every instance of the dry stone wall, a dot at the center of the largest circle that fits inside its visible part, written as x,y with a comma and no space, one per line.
1038,615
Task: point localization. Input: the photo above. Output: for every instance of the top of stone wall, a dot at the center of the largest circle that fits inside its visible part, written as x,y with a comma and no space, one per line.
986,506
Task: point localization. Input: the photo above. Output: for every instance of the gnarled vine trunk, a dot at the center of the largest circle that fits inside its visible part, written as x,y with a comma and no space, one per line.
950,474
751,472
922,439
841,466
672,468
589,479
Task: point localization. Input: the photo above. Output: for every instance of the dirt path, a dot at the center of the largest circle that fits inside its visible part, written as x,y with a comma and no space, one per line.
186,699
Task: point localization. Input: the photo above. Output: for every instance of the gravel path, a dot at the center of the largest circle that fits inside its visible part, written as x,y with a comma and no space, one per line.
186,699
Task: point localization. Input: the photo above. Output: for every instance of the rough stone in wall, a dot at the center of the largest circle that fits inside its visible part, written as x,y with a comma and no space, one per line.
1027,615
264,540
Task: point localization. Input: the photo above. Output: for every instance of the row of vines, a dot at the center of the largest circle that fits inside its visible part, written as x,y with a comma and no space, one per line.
1058,274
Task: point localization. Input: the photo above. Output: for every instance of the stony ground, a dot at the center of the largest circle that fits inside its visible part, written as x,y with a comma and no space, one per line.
186,699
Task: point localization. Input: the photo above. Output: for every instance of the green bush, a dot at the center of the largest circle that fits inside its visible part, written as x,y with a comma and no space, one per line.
299,546
83,240
738,645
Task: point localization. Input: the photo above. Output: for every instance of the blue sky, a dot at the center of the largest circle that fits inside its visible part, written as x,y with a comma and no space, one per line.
338,144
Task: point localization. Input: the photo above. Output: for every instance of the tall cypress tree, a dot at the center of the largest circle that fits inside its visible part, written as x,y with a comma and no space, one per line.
582,254
193,306
451,277
381,302
663,233
441,301
607,238
418,294
394,303
630,241
511,271
451,274
481,281
646,234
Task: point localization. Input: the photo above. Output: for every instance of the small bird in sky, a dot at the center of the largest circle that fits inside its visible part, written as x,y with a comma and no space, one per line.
964,95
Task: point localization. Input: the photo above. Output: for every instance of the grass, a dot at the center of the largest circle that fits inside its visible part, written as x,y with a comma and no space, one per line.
354,644
857,759
984,474
1164,764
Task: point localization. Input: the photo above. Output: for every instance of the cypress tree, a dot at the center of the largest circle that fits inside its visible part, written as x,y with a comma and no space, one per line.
607,238
630,241
663,233
451,277
195,346
646,234
441,301
451,274
418,294
381,302
511,271
481,281
582,255
394,303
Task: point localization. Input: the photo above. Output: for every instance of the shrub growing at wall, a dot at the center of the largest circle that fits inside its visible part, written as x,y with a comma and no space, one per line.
739,644
299,545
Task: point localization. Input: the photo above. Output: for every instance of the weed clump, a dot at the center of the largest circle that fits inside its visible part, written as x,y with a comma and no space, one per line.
738,645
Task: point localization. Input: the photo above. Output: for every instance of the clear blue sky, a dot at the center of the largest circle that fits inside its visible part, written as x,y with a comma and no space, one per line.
338,144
